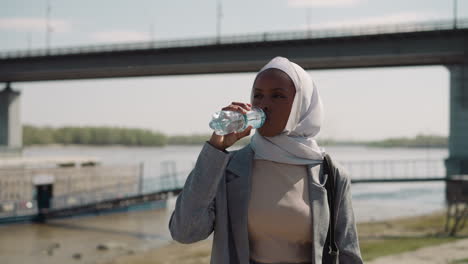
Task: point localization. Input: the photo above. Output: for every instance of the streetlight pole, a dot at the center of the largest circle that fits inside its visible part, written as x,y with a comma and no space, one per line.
455,14
48,28
29,41
219,16
152,32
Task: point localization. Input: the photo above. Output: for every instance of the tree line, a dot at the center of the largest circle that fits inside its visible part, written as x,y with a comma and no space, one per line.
420,141
34,135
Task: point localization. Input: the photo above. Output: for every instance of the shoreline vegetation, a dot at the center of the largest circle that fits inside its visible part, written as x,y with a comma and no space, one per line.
377,239
106,136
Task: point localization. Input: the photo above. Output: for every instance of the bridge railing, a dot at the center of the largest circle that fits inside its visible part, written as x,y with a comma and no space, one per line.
245,38
165,182
359,171
71,186
82,186
9,208
93,195
394,170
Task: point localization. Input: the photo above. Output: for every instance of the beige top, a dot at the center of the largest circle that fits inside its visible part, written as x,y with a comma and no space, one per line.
279,219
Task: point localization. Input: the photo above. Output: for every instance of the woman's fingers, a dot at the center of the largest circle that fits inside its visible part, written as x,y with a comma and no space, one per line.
244,133
235,108
246,106
238,107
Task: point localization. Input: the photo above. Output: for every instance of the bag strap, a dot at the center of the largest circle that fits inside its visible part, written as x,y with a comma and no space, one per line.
330,187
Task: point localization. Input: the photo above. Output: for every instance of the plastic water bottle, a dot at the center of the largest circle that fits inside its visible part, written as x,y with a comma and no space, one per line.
225,122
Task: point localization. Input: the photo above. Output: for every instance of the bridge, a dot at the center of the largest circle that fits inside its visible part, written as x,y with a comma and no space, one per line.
433,43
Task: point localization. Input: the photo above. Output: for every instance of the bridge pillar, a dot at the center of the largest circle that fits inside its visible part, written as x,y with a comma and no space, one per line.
10,125
457,162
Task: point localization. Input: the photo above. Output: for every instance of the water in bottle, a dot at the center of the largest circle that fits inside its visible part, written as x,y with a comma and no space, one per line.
225,122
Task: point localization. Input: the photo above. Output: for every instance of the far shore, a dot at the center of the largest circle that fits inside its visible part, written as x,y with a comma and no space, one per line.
110,136
338,144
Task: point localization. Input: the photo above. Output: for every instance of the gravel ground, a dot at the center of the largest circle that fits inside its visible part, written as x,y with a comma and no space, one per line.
441,254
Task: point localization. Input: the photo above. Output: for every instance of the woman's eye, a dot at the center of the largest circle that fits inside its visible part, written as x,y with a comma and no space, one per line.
279,96
257,95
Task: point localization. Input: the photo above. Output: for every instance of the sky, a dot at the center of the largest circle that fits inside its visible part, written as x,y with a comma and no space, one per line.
360,104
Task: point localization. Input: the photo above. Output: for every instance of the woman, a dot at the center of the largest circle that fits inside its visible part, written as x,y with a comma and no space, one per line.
266,202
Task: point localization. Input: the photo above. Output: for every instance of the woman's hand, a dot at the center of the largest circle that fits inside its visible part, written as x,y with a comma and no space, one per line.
224,142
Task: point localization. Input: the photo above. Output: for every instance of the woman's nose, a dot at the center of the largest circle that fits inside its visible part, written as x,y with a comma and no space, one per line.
260,105
263,106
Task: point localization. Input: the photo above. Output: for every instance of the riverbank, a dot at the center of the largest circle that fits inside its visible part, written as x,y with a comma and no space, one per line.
377,239
448,253
88,239
142,237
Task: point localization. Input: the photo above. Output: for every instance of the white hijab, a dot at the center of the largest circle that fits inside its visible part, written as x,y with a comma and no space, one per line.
296,144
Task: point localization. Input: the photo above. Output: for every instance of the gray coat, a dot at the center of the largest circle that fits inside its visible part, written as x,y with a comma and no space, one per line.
215,198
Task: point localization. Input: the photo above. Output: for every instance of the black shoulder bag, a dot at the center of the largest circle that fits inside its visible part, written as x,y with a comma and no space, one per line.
330,249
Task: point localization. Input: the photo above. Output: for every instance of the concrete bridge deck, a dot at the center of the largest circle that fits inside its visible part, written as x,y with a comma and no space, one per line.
433,43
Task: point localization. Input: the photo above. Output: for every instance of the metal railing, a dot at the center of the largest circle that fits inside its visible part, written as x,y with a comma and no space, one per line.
88,185
82,186
395,170
71,187
343,31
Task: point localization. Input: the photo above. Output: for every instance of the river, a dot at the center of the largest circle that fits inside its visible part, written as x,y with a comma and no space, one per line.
67,240
371,201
